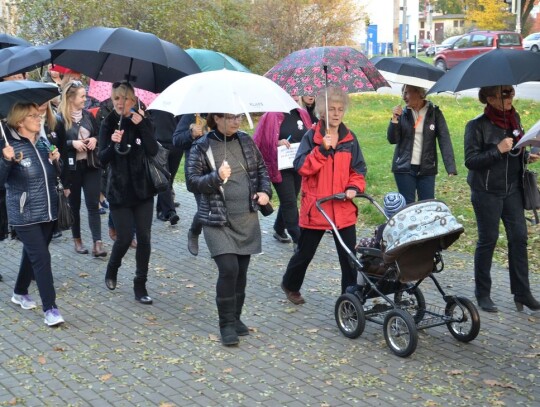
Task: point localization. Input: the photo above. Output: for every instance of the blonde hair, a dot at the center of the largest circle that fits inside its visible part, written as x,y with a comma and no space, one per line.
18,113
421,91
69,91
50,117
333,94
123,89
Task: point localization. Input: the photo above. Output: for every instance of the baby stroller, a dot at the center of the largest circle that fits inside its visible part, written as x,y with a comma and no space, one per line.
390,293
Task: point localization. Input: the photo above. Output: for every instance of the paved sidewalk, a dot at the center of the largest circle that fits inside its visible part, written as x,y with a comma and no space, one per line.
114,351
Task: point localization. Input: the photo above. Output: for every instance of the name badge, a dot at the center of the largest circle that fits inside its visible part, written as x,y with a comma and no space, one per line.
71,161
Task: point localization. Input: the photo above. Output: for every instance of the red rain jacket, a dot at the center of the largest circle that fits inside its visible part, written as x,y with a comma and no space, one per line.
326,173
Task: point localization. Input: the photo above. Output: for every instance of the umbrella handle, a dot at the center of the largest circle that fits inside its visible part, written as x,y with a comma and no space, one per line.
4,135
117,147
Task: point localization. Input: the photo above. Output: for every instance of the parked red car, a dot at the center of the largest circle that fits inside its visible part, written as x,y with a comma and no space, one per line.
475,43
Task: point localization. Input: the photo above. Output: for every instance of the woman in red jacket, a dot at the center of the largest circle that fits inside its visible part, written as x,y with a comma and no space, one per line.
330,161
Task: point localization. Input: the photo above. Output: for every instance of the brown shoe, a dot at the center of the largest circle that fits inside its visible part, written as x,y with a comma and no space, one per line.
79,248
98,251
293,296
112,233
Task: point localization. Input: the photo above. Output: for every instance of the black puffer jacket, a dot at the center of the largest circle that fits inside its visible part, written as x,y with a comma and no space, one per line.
202,177
127,184
435,128
489,170
30,183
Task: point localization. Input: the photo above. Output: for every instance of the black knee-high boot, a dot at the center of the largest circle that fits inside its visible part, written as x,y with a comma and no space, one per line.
139,288
241,328
227,320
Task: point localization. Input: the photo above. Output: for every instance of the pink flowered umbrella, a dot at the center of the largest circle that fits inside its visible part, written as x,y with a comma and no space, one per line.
308,71
102,91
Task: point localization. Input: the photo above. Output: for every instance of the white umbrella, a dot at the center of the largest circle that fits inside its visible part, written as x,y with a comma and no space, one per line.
224,91
531,138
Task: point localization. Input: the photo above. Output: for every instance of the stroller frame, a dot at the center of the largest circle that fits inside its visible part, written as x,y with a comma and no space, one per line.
407,312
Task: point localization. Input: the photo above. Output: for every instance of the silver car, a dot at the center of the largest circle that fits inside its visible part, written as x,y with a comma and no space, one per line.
532,42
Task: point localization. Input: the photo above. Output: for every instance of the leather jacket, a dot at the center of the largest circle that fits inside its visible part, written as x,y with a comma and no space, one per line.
435,130
489,170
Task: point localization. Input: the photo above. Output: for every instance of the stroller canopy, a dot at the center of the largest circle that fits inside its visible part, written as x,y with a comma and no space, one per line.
426,226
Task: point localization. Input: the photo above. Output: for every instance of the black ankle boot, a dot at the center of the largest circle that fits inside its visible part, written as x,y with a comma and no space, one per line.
141,295
241,328
528,300
110,278
227,320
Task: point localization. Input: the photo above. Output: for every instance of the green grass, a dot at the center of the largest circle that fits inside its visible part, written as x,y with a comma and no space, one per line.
368,118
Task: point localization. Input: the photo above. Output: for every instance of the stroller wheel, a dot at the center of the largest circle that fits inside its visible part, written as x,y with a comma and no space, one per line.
465,320
350,317
400,332
412,301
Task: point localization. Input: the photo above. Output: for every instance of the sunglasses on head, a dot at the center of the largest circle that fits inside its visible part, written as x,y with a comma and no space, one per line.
74,84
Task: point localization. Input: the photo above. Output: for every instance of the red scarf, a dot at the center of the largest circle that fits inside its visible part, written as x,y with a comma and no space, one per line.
505,120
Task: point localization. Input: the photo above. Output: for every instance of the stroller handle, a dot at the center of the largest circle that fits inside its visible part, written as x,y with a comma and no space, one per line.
341,196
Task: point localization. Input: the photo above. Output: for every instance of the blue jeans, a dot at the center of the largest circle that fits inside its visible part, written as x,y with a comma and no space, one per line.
36,262
489,209
409,184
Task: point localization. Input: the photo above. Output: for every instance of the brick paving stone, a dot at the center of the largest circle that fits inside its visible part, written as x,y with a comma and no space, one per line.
295,355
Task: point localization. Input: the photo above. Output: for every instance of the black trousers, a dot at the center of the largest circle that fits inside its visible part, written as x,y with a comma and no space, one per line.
307,246
232,276
36,262
490,209
88,180
196,225
124,218
165,200
287,215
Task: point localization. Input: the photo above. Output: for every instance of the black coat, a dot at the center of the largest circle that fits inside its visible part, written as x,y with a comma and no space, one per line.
30,183
435,129
202,177
489,170
127,183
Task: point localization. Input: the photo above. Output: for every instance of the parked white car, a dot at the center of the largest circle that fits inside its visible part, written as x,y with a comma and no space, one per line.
532,42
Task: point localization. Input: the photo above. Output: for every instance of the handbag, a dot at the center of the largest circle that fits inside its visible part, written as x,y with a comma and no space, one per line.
92,159
157,169
531,194
65,215
266,210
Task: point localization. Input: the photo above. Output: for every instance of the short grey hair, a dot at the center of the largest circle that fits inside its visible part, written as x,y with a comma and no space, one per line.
421,91
333,94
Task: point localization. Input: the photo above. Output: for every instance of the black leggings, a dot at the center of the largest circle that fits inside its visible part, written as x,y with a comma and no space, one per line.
232,274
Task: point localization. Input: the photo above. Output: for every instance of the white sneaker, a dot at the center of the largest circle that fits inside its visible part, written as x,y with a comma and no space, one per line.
53,317
24,301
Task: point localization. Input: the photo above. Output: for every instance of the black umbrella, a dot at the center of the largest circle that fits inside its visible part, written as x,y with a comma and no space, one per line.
23,91
407,70
25,60
497,67
115,54
7,41
6,53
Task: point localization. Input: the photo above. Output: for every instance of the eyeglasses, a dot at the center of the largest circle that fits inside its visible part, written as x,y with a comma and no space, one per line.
232,117
34,116
508,93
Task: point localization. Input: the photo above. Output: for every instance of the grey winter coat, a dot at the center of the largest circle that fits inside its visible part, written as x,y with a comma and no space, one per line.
202,177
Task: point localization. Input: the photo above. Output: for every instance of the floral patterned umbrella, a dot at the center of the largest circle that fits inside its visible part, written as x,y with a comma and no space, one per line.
307,71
